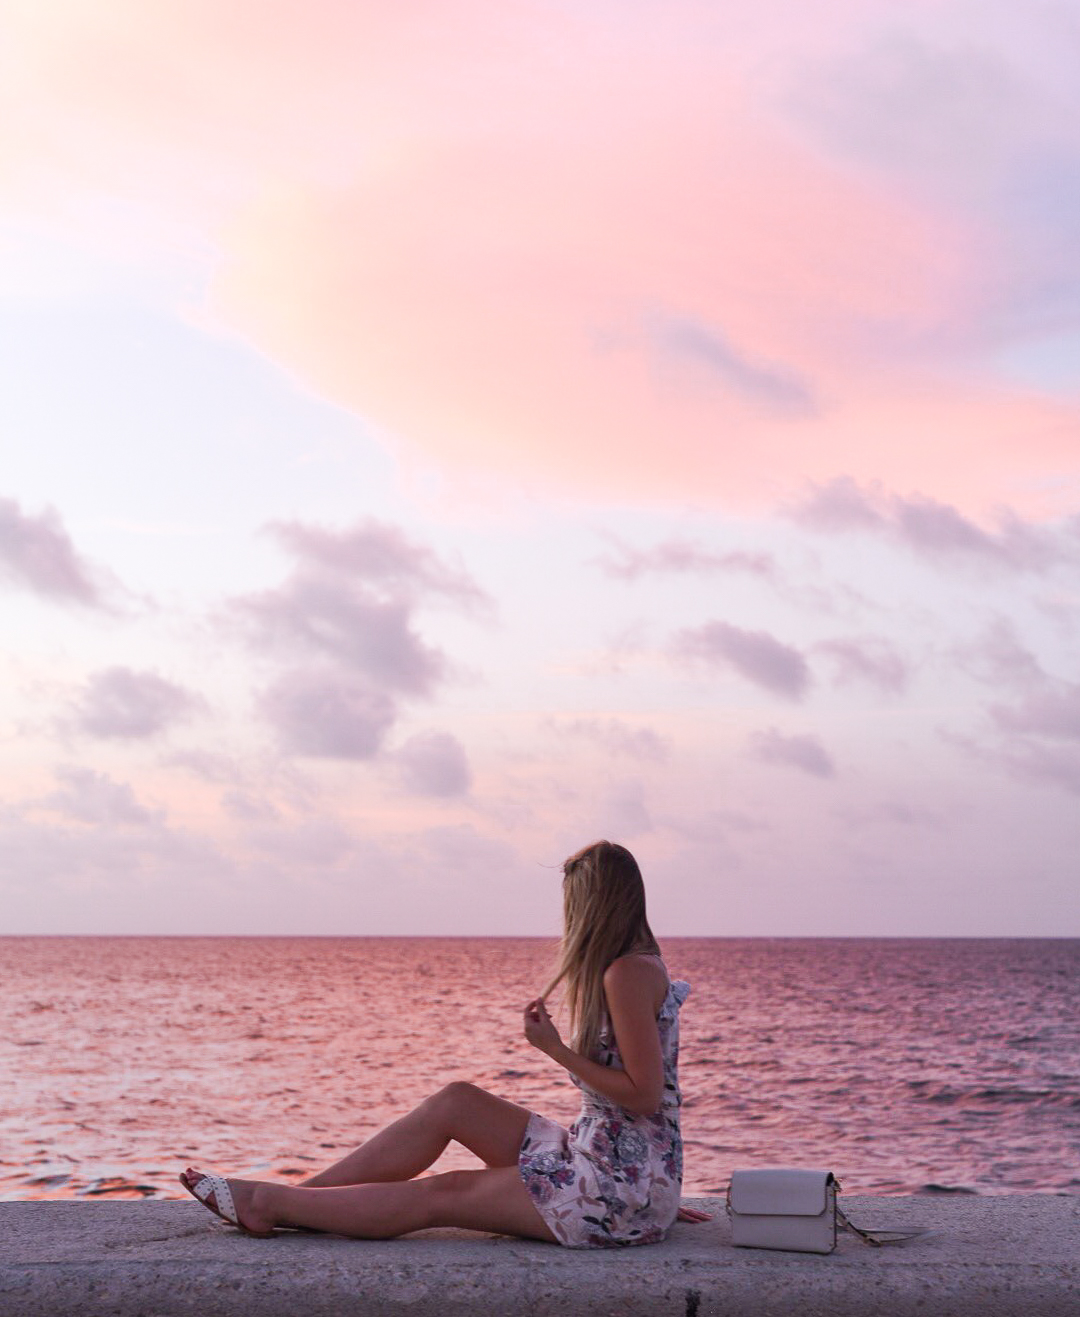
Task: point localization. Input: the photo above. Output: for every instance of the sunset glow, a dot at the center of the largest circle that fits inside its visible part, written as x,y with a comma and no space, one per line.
437,436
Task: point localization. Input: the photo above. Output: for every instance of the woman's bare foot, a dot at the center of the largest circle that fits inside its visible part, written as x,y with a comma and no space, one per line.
248,1198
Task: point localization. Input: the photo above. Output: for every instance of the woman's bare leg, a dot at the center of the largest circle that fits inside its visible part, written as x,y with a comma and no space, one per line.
487,1125
494,1200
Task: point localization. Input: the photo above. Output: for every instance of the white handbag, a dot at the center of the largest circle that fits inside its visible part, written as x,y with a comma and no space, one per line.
794,1210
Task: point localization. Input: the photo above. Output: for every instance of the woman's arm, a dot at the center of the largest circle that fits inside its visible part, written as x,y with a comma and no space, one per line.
630,989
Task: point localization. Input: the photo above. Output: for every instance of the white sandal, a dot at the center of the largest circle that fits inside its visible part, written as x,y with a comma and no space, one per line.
216,1187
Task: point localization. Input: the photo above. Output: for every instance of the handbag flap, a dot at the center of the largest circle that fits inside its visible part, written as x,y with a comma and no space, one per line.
779,1192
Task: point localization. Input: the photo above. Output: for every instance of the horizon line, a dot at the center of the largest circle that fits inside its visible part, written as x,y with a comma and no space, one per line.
554,937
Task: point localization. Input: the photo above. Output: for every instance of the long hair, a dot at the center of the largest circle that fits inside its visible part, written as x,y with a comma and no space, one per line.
603,918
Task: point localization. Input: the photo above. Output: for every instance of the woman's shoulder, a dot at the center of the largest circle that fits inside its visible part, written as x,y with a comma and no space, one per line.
637,971
637,962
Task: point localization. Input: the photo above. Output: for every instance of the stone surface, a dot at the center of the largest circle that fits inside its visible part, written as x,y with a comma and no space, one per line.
1014,1256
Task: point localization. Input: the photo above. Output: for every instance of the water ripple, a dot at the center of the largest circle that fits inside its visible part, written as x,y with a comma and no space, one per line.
917,1066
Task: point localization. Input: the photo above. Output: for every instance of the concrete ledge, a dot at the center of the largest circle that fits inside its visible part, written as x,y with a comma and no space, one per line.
1014,1256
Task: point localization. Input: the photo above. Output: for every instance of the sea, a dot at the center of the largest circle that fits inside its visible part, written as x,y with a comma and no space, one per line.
923,1066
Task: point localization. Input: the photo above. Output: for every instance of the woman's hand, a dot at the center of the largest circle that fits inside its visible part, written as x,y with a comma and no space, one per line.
693,1215
540,1028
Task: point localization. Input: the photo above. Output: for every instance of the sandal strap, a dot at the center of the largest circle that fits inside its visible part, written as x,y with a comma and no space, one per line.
218,1186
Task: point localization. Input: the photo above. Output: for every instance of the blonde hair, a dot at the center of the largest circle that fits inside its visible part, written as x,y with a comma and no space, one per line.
604,918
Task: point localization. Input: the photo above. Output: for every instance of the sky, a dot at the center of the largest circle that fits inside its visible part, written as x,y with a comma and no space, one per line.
434,436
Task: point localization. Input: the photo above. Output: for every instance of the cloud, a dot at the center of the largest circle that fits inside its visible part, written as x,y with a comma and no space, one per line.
207,765
840,505
1052,712
685,557
343,623
787,215
434,764
381,556
1058,765
351,598
975,124
87,796
122,874
1038,734
326,714
619,738
998,657
944,111
1028,760
869,659
688,340
755,655
933,529
930,527
311,615
255,787
805,753
37,554
679,557
248,808
122,704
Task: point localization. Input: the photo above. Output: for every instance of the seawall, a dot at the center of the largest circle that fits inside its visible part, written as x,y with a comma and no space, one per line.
1014,1256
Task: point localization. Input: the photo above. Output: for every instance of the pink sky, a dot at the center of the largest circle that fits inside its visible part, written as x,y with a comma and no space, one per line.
445,434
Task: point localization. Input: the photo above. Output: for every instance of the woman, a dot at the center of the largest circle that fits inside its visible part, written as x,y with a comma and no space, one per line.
613,1178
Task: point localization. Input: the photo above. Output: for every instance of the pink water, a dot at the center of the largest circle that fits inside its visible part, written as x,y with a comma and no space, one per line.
905,1066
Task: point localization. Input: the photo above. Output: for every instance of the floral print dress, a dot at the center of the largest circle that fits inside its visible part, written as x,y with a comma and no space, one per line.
613,1178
